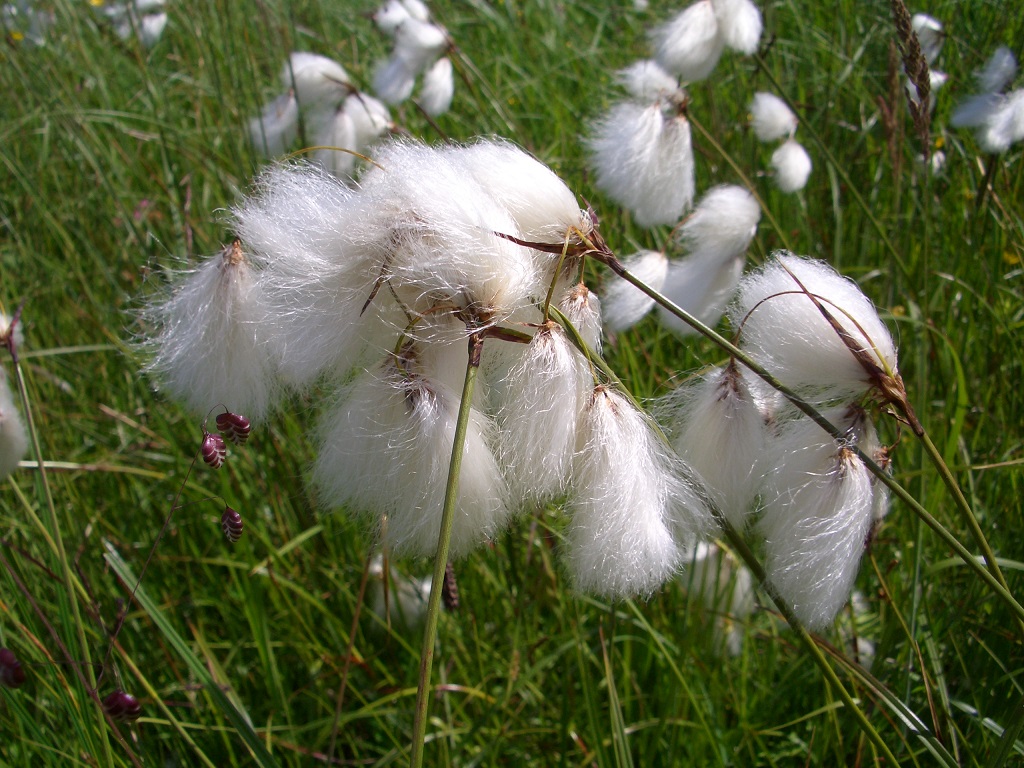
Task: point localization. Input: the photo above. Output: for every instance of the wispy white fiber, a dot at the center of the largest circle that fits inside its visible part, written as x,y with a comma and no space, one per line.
739,24
785,331
623,305
929,34
370,119
317,80
277,126
333,133
620,541
647,82
816,517
13,438
998,72
209,345
689,45
772,117
385,451
395,598
1005,125
643,160
723,223
419,44
582,307
718,429
976,110
394,80
792,166
392,13
438,88
725,587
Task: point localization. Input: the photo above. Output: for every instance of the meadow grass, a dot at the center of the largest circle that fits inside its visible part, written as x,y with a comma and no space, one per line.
116,161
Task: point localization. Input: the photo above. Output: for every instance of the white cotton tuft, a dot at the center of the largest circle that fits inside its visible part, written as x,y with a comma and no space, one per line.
689,45
739,24
210,345
975,111
370,119
277,126
1005,125
817,512
419,43
623,305
582,307
718,429
390,15
397,600
332,134
783,329
998,71
537,416
317,80
929,34
792,166
386,449
438,88
723,224
725,587
643,160
13,438
772,117
701,285
394,80
647,82
620,542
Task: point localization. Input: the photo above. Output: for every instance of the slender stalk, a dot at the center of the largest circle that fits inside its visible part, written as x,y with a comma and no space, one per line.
982,570
419,727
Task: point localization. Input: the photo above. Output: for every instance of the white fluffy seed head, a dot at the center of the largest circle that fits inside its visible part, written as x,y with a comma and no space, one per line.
784,330
976,111
723,223
209,345
726,588
394,80
582,307
318,82
739,24
701,284
929,34
643,160
385,452
620,539
277,126
401,602
718,429
623,305
13,438
370,119
438,88
388,16
816,516
998,71
1005,125
771,117
332,134
689,45
419,43
647,82
792,166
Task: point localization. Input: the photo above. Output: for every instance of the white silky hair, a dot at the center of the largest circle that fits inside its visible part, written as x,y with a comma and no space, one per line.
277,126
725,587
582,307
792,166
975,111
13,438
1005,125
782,329
438,88
537,416
689,45
620,541
370,119
390,15
623,305
419,43
739,24
643,160
929,34
394,80
385,452
772,117
401,603
318,81
719,431
647,82
332,134
210,346
701,284
723,223
817,512
998,72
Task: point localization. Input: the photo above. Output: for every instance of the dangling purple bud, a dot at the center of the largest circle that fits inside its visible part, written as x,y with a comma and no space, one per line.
214,451
122,707
450,589
11,673
234,427
231,523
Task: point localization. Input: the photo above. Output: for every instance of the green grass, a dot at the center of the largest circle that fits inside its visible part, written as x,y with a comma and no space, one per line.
115,160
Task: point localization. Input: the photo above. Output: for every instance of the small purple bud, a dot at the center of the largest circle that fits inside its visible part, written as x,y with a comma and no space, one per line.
449,588
214,451
234,427
11,673
231,523
122,707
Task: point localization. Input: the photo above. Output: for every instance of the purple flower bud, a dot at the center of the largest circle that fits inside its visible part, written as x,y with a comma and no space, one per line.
234,427
231,523
449,588
11,673
214,451
122,707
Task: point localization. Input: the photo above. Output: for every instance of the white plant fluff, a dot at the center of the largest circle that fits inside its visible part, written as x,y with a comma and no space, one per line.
783,328
725,587
623,305
277,126
739,24
998,72
438,88
792,166
315,79
646,81
689,45
929,34
13,438
772,118
397,600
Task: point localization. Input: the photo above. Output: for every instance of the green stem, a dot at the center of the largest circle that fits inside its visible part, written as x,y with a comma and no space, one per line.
419,727
982,570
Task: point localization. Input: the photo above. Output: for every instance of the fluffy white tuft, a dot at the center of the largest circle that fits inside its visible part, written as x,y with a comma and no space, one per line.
316,80
689,45
394,80
582,307
929,34
333,133
998,71
739,24
792,166
723,223
438,88
817,514
975,111
13,439
786,332
772,117
725,587
277,126
1005,125
623,305
647,82
643,160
